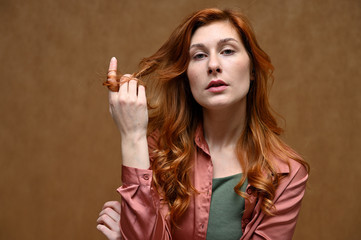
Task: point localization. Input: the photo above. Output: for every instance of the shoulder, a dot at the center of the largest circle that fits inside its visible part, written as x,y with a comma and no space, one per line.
294,176
297,168
290,166
287,203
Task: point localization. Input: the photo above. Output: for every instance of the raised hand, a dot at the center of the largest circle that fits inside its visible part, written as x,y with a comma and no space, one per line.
128,107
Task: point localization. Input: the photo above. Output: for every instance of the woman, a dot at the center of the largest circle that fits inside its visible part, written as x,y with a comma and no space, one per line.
208,162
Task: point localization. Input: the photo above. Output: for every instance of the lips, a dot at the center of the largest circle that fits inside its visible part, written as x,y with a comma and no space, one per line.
216,83
216,86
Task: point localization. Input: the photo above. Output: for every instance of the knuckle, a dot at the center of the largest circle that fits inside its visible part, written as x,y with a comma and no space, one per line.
140,104
132,100
107,210
125,78
100,220
112,74
109,203
133,81
103,218
113,202
122,99
127,100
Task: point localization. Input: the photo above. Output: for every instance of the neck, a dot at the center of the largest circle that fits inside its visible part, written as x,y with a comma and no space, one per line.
223,128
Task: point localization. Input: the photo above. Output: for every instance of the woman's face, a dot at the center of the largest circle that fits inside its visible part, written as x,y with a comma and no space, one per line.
219,66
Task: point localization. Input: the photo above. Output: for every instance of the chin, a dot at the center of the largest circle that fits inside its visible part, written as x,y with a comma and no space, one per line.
216,106
223,105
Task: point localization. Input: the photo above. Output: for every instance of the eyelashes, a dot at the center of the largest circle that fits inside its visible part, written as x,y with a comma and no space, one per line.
202,55
228,52
199,56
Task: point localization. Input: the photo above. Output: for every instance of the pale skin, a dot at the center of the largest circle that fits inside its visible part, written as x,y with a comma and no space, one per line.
217,53
128,108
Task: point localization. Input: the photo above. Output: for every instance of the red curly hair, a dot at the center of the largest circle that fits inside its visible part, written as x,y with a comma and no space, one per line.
174,114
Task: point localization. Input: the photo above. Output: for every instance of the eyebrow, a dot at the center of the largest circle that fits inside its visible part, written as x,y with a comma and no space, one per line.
225,40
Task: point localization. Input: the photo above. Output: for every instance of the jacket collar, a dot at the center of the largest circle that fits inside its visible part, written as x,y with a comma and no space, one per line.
200,140
282,167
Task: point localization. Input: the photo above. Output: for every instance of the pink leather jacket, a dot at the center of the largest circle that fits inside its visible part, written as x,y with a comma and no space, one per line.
144,216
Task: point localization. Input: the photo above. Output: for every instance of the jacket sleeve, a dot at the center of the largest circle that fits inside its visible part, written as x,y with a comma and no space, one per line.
141,217
288,203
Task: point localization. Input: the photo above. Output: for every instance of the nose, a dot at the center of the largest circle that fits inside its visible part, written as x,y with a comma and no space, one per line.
214,66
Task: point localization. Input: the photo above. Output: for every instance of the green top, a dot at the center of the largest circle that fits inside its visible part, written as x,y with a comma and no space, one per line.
226,210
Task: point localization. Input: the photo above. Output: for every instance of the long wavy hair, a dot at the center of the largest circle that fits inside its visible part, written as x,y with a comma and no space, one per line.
174,116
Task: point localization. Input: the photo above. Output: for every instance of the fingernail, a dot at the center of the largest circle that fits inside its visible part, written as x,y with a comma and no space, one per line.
113,58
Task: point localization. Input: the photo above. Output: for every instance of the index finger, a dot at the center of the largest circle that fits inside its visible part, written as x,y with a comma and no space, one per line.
112,75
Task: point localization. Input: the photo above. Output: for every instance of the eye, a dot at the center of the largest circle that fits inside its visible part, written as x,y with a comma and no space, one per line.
228,52
199,56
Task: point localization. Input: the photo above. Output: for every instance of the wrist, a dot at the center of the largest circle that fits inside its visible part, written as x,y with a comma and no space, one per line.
133,136
135,151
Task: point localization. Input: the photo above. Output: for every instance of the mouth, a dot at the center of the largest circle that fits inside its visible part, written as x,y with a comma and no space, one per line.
216,84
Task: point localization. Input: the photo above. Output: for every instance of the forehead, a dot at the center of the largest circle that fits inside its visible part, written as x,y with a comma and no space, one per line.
215,31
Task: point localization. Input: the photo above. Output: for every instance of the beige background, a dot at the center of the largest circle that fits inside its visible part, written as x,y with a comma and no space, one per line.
59,148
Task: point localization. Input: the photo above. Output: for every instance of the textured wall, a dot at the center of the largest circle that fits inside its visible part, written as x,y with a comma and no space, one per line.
59,149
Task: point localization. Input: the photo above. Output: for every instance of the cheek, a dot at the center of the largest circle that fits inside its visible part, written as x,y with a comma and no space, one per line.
194,83
192,77
241,70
